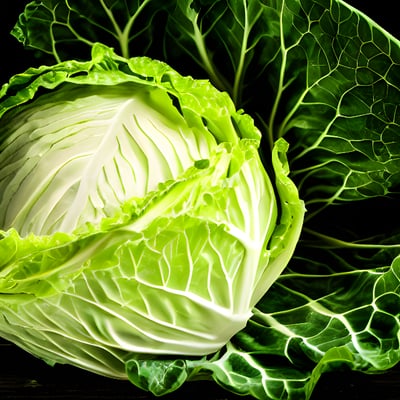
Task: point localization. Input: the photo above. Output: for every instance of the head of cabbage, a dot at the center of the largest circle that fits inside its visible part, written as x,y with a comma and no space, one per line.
136,215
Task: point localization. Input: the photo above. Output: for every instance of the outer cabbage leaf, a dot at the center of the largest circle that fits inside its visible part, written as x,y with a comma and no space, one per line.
304,326
76,25
174,270
321,74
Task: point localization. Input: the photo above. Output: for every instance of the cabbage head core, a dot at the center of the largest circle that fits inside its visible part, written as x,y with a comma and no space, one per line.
77,153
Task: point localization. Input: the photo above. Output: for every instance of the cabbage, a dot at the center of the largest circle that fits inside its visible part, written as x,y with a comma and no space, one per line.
322,82
137,217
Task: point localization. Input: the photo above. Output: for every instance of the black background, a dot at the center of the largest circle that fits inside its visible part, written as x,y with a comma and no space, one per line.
24,377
